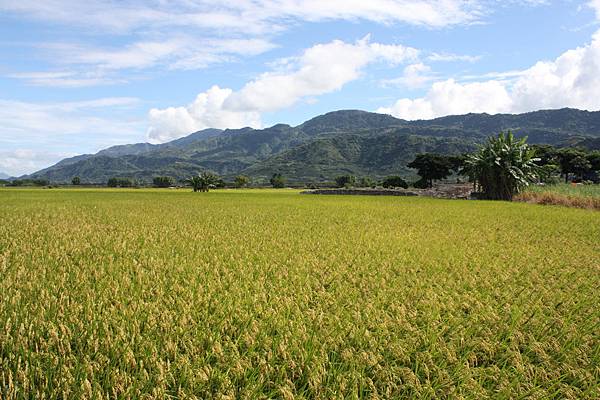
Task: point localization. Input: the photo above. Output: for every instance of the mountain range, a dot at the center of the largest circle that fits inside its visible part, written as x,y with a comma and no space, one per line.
4,176
340,142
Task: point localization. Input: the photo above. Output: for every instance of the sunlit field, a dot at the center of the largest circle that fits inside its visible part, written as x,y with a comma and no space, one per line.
272,294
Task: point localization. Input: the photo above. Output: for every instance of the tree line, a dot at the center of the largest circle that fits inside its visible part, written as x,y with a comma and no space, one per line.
498,170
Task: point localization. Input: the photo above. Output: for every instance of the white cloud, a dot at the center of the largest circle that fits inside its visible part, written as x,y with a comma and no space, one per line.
414,76
69,79
183,34
595,5
251,17
323,68
571,80
449,57
449,97
206,111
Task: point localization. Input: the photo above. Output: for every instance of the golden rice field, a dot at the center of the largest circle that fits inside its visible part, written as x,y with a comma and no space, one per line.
154,294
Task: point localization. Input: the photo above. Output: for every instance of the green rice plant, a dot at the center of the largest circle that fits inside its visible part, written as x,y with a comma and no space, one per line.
250,294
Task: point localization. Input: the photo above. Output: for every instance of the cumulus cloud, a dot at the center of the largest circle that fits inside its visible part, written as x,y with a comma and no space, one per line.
595,5
571,80
323,68
206,111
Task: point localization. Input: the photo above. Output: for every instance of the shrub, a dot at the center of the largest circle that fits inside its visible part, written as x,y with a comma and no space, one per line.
277,181
120,182
76,181
203,181
241,181
162,181
345,181
366,181
394,182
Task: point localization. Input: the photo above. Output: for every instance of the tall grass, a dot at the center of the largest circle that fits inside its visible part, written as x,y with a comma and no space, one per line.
265,294
570,195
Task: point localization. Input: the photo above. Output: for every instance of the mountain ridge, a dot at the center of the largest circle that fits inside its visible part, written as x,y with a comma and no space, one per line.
345,141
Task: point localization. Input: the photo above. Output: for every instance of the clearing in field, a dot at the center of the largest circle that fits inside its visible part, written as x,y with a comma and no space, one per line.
270,294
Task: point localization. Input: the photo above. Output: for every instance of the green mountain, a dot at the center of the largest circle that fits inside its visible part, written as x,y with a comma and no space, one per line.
348,141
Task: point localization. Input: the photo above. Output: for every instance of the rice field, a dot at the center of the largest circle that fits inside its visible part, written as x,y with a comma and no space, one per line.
257,294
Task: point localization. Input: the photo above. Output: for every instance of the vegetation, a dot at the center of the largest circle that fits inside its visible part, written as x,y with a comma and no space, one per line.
570,195
241,181
503,167
268,294
345,181
163,181
338,143
277,181
203,181
577,164
394,182
120,182
366,181
432,167
76,181
28,182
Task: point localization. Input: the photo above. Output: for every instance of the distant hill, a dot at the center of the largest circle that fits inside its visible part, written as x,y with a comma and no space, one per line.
4,176
348,141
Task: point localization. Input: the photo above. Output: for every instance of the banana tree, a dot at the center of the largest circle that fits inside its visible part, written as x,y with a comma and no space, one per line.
503,167
203,181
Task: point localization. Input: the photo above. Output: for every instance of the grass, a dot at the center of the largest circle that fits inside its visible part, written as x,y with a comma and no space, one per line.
569,195
271,294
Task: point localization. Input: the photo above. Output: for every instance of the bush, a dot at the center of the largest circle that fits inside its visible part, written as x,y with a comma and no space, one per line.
204,181
366,181
120,182
345,181
277,181
241,181
162,181
394,182
421,184
76,181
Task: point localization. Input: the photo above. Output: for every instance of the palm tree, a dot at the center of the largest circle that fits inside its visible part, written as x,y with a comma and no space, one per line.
502,167
202,182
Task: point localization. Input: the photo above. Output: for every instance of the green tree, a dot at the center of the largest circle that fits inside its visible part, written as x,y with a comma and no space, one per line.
162,181
394,182
120,182
594,160
241,181
366,181
573,161
76,181
431,167
203,181
277,181
503,166
345,181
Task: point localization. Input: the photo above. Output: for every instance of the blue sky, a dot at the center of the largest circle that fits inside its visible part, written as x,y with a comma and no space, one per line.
79,76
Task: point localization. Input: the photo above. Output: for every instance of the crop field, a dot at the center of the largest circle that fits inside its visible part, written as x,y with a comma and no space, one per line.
254,294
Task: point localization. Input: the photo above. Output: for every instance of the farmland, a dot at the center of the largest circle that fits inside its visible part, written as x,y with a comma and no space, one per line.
272,294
